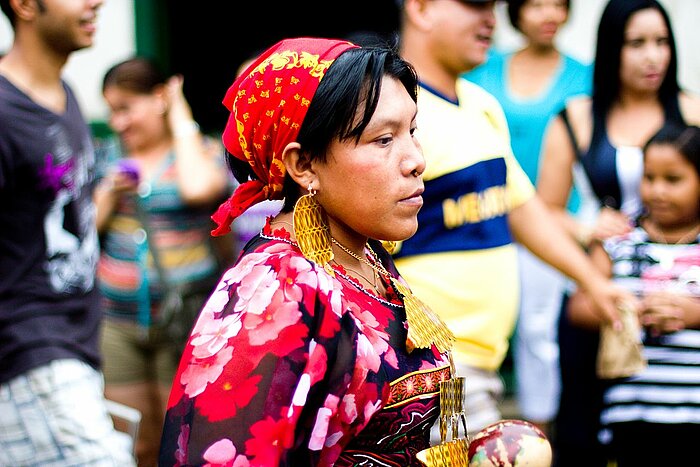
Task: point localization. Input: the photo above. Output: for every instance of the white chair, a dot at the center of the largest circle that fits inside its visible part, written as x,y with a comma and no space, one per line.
128,416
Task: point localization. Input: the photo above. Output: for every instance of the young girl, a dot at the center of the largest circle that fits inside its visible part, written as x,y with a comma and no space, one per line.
660,261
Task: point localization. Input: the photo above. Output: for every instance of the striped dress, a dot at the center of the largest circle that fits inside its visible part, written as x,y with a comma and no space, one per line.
129,282
668,391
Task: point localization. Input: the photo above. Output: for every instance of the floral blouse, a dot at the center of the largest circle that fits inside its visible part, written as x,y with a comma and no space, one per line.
289,366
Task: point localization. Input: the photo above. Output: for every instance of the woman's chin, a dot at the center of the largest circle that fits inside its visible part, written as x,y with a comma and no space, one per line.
402,231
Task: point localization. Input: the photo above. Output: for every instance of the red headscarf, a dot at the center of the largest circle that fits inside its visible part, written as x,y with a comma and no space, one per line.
268,103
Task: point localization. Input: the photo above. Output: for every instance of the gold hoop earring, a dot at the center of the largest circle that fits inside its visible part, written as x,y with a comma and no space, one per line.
312,232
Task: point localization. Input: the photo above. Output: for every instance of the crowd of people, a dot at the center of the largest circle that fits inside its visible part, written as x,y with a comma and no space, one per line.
379,220
532,84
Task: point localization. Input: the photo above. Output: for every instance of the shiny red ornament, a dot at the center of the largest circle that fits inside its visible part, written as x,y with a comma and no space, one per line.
510,443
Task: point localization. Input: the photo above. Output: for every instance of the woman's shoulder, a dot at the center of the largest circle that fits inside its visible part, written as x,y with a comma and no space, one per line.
578,113
277,256
577,63
577,75
579,108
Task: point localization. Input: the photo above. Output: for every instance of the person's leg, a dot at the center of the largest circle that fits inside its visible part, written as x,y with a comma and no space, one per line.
535,348
141,397
577,423
55,415
130,368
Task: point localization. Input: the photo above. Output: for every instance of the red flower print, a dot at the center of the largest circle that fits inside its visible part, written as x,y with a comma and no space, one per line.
235,392
318,362
269,439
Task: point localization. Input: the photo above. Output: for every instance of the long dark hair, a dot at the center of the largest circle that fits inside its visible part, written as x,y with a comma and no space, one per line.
352,82
611,38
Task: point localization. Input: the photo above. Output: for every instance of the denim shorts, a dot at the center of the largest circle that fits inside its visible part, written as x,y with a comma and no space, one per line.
55,416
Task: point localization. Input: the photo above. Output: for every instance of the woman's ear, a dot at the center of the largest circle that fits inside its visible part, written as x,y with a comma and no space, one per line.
163,102
298,165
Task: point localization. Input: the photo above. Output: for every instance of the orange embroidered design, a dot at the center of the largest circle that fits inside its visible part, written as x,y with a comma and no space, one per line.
415,385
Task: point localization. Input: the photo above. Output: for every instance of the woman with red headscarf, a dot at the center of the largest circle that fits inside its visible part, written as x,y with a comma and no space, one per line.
312,350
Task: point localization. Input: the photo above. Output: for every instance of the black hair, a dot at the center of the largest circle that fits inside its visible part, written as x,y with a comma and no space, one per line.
9,12
684,138
611,38
514,7
140,75
367,38
352,82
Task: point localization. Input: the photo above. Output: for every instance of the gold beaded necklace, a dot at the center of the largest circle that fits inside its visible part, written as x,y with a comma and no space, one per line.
425,327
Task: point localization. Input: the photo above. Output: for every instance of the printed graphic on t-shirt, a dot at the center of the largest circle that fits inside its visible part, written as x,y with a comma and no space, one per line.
69,225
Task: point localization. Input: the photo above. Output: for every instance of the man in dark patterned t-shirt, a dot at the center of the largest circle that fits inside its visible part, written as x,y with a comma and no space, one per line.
51,387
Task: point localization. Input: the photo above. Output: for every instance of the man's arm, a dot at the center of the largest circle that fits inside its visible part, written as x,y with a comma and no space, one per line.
535,227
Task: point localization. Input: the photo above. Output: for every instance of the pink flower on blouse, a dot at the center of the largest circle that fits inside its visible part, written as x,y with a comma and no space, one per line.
278,316
367,354
348,409
218,300
256,290
302,391
369,325
223,453
371,408
296,271
323,416
213,334
199,373
182,439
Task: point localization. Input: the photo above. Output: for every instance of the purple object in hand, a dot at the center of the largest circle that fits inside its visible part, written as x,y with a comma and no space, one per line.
129,168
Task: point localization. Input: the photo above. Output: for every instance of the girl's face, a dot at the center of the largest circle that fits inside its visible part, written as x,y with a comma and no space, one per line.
646,52
670,187
373,188
539,20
